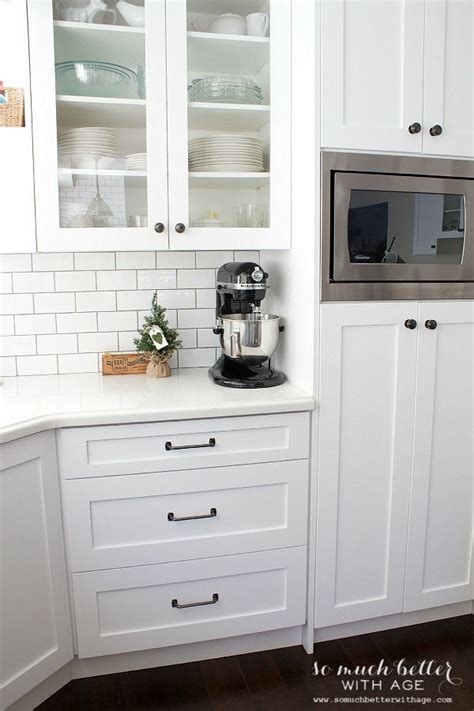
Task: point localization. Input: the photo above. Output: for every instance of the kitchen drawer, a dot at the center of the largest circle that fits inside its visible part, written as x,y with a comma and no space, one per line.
151,447
134,520
131,609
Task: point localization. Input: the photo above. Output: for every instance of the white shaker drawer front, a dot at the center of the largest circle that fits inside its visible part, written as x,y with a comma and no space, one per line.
152,606
131,449
138,520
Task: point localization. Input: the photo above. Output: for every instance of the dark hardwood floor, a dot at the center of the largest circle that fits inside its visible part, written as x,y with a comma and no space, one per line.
282,679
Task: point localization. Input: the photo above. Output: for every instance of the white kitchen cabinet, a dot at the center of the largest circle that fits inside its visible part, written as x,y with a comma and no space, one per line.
448,99
371,74
92,168
395,462
440,531
35,624
366,405
98,197
16,174
398,76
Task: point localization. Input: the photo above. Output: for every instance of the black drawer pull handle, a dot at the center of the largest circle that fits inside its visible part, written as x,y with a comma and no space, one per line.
175,603
212,514
170,447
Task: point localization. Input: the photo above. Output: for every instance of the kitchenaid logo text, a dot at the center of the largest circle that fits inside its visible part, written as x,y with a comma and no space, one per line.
373,677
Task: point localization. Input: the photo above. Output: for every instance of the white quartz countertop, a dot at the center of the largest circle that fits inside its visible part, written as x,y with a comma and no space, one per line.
32,404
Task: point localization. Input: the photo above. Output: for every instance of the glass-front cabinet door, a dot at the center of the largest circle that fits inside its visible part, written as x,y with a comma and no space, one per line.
229,123
99,105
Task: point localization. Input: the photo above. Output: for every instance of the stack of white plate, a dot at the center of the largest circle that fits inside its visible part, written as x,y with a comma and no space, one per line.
226,152
135,161
86,147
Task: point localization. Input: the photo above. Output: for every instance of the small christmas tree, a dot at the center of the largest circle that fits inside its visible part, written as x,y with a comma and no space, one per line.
157,341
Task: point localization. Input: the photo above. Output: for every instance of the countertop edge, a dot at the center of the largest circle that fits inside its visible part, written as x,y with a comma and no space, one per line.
53,421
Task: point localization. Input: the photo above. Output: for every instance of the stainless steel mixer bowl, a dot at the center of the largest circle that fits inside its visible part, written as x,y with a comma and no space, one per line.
249,337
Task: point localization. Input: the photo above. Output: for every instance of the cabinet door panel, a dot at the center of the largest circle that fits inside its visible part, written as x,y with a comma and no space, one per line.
366,413
440,531
449,77
372,82
35,627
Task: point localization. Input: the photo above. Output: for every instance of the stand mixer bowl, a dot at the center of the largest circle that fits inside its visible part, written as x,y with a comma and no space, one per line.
250,338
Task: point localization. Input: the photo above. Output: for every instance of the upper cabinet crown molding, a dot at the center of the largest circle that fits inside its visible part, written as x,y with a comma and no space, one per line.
398,76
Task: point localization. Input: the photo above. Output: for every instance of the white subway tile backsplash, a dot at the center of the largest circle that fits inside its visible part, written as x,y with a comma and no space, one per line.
35,323
196,278
188,337
7,366
75,281
206,338
66,309
97,342
6,283
57,343
135,260
213,259
205,298
7,326
78,363
125,340
37,365
94,260
16,303
196,357
117,321
33,282
52,262
76,323
17,345
156,279
196,318
54,303
128,300
247,256
96,301
117,281
176,260
15,262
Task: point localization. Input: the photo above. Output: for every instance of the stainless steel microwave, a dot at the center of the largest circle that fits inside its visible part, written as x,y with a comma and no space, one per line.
396,227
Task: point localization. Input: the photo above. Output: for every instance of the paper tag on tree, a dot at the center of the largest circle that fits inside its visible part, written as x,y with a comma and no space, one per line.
158,338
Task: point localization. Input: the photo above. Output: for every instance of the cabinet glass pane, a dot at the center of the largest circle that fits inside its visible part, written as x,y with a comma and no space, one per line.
405,228
229,111
101,114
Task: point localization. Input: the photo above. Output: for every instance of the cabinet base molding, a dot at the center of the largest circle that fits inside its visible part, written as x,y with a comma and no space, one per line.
134,661
388,622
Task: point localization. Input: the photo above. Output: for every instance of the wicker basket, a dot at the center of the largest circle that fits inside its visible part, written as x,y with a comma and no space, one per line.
13,112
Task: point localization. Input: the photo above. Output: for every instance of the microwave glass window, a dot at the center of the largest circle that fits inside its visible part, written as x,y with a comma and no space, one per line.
405,228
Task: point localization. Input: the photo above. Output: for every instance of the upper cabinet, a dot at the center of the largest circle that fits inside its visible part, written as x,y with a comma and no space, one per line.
171,126
398,76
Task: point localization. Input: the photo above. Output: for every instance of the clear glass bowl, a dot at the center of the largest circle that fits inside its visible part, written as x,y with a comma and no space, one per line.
225,89
91,78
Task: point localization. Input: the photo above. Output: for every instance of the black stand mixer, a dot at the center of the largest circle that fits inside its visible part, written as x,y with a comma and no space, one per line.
248,337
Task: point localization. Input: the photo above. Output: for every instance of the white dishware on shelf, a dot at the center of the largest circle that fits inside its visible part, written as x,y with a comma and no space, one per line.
210,218
226,153
229,24
258,24
89,147
136,161
134,15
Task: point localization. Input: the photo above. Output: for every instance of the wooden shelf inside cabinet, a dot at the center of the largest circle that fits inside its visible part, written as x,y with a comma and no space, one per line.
232,117
110,43
98,111
228,54
135,178
225,181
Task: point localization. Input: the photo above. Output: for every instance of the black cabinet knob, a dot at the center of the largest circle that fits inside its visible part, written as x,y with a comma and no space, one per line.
410,323
436,130
180,227
431,324
414,127
159,227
